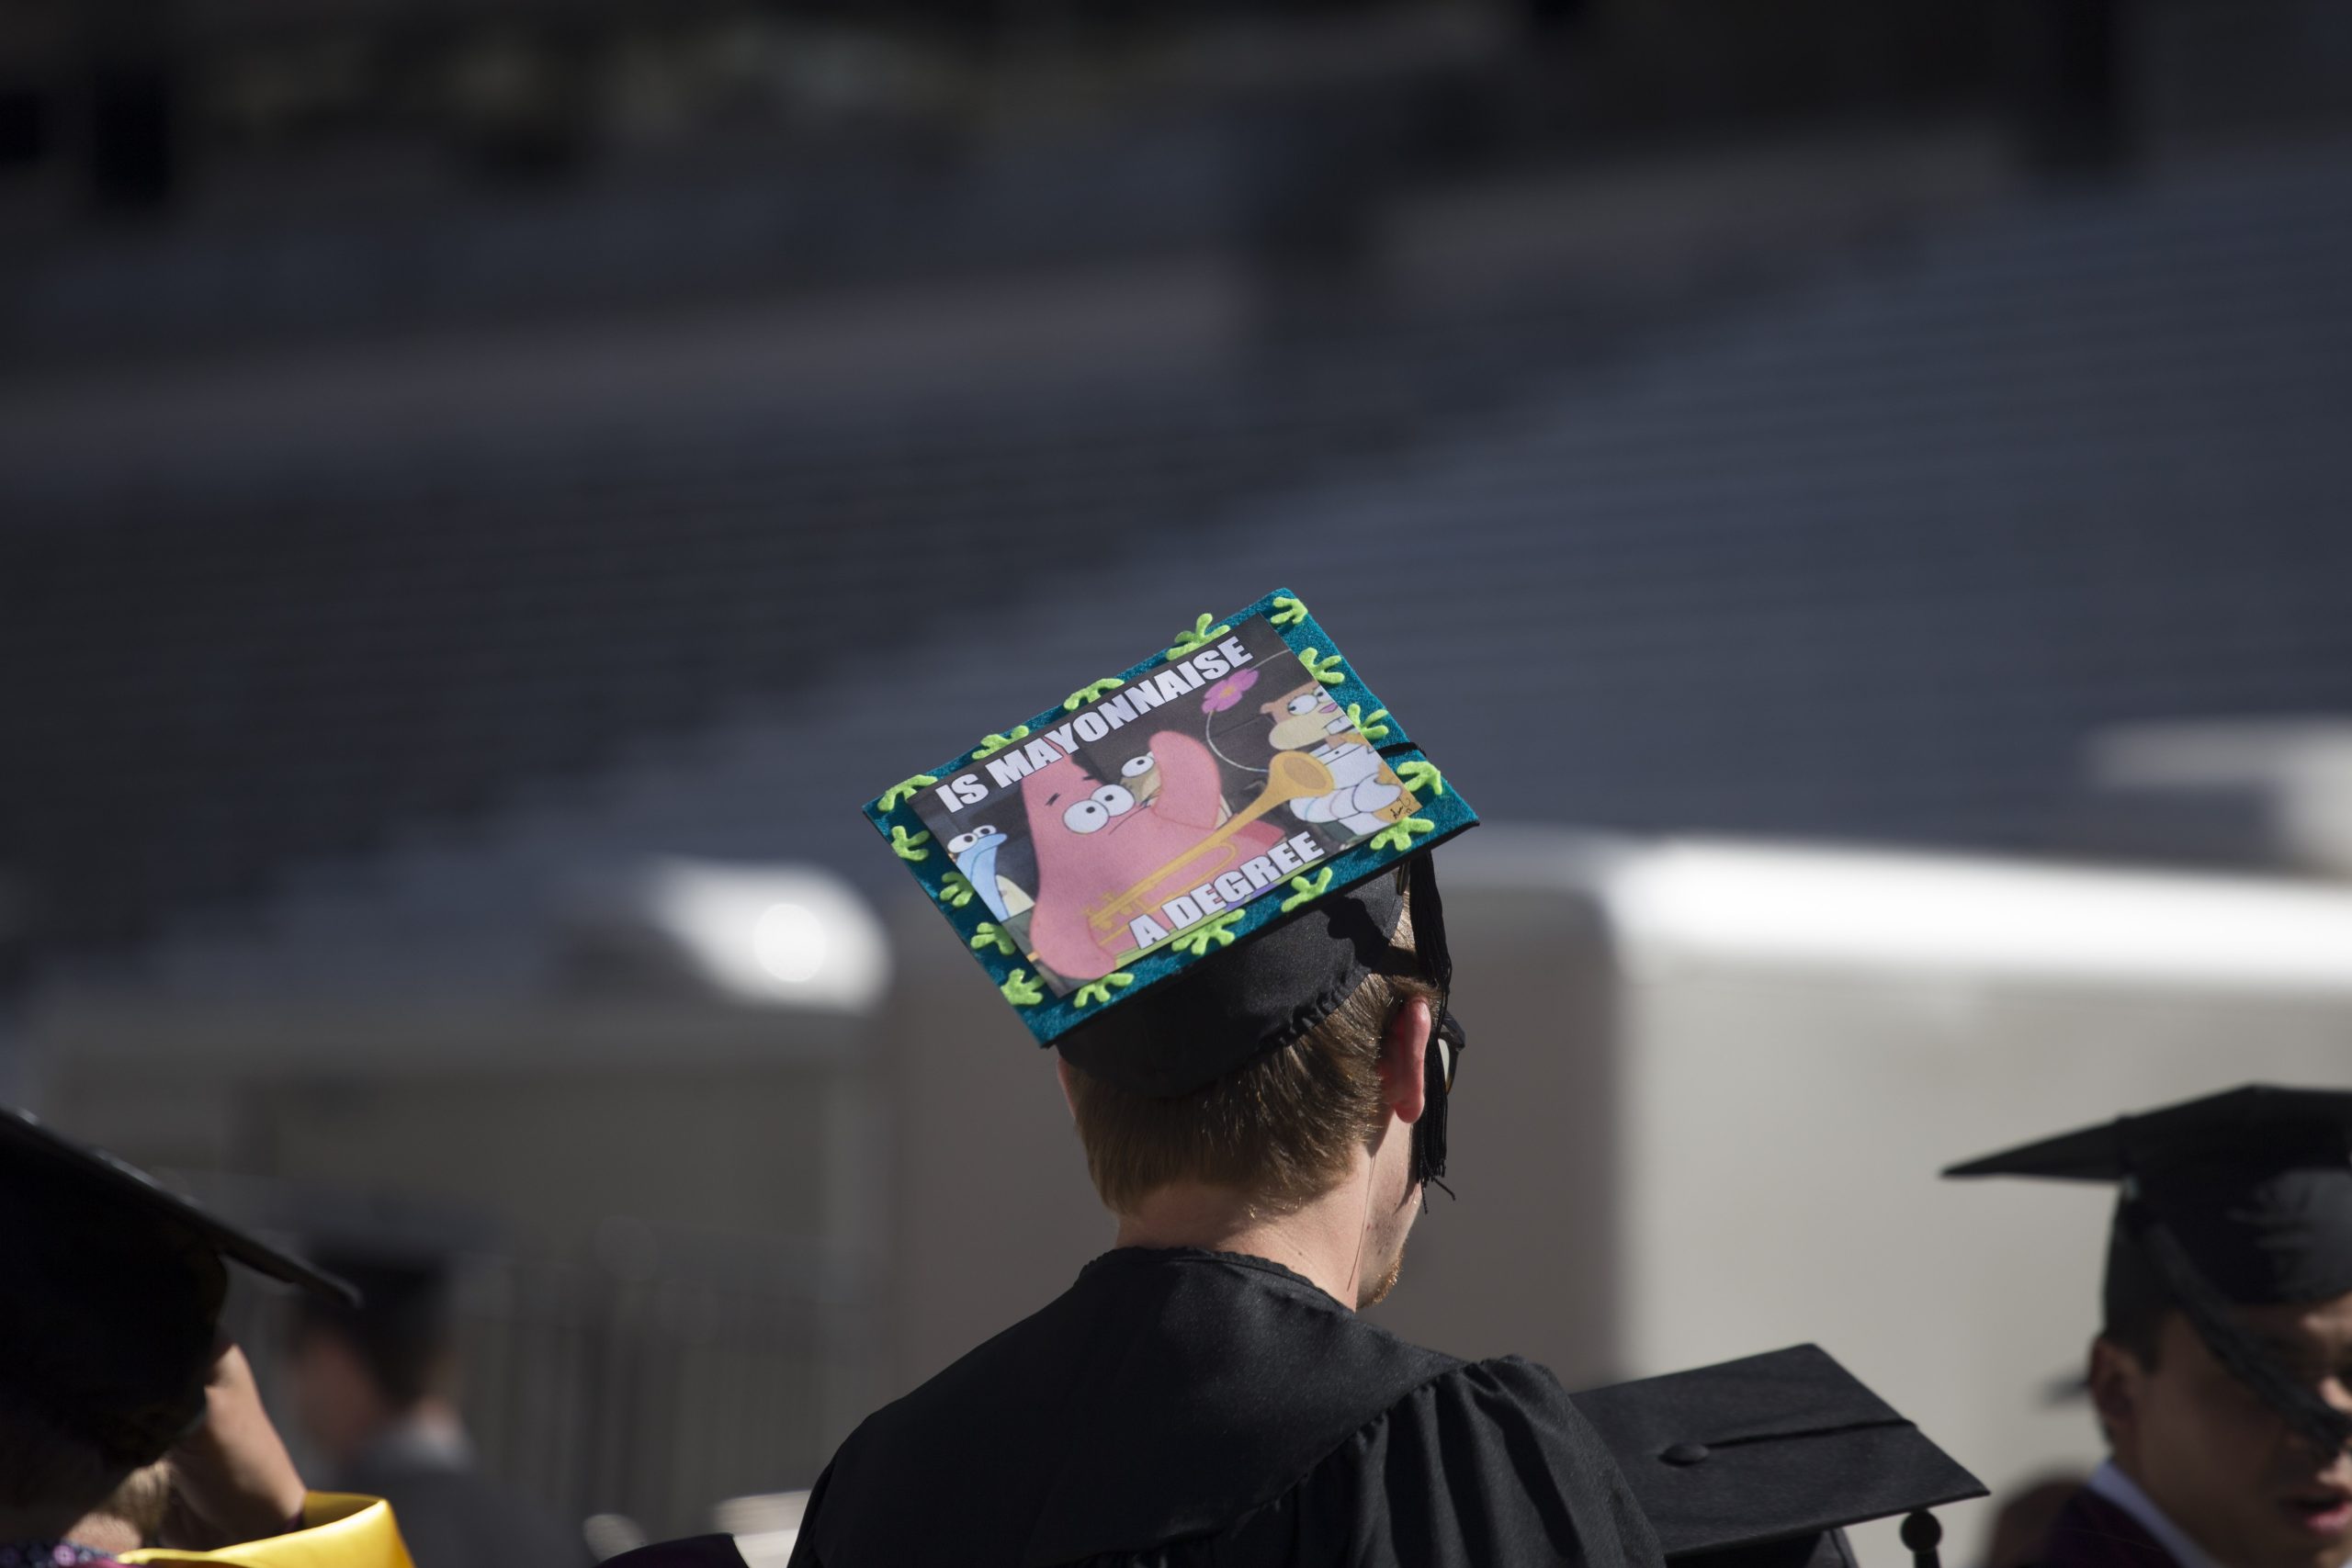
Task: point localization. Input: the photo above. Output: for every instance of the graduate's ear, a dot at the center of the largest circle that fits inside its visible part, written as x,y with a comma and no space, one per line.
1062,1073
2114,1382
1404,1052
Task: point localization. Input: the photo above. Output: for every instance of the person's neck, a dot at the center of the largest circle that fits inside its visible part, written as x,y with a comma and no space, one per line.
429,1429
1322,1240
435,1417
106,1533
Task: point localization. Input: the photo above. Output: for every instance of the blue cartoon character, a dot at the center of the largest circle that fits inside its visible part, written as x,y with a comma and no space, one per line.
975,856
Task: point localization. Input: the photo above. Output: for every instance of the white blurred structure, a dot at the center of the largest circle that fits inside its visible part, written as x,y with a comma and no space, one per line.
775,935
2273,790
1852,915
766,1526
1709,1088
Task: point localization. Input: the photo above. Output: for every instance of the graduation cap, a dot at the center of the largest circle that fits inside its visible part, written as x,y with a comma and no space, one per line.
112,1291
405,1254
2243,1197
1175,869
1762,1463
399,1327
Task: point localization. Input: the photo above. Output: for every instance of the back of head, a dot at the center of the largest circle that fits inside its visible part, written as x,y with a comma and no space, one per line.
1281,1127
399,1332
109,1315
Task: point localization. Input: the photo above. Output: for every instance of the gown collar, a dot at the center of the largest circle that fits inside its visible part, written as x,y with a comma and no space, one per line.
1122,1258
2110,1482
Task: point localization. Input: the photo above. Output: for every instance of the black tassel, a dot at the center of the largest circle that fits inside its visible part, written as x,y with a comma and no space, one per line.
1922,1533
1446,1037
1428,1133
2311,1417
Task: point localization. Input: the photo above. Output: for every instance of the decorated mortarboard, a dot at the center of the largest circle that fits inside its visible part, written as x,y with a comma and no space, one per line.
1175,868
1762,1463
2244,1198
119,1282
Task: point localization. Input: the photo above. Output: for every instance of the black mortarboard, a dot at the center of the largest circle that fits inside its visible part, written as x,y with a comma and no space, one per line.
1762,1463
406,1253
2243,1197
1188,865
112,1293
400,1327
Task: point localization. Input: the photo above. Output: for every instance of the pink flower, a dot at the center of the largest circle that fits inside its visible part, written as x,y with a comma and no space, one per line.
1228,692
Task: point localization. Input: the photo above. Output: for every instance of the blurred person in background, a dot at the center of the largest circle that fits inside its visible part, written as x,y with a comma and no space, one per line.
373,1390
125,1424
2222,1370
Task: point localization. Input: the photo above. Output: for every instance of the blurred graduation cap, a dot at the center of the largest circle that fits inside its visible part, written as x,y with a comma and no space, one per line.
2242,1197
1762,1463
405,1253
1180,868
113,1288
400,1326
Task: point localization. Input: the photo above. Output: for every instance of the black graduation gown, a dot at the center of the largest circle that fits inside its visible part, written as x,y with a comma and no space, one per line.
1183,1407
2091,1532
452,1517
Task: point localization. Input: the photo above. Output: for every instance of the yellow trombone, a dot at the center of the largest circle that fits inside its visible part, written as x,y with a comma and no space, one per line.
1293,775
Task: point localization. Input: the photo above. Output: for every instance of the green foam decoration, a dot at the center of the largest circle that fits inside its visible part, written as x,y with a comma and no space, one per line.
987,932
991,744
1421,776
1324,667
905,789
1287,611
909,846
1021,990
1201,636
1219,931
1089,691
1368,725
1399,835
1305,891
1100,990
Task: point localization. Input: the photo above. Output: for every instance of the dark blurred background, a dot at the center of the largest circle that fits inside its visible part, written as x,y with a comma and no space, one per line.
486,489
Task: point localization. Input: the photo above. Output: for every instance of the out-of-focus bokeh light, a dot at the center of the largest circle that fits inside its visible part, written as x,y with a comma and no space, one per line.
791,942
791,936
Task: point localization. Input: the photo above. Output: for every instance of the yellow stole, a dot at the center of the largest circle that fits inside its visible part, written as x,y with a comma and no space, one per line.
340,1529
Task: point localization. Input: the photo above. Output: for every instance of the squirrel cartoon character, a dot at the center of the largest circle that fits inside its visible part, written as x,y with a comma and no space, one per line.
1368,796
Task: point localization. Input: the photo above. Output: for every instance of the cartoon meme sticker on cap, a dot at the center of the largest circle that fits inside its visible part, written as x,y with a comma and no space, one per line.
1152,819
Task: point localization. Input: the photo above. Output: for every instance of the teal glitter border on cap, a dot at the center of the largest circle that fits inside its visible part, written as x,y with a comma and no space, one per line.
1441,814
